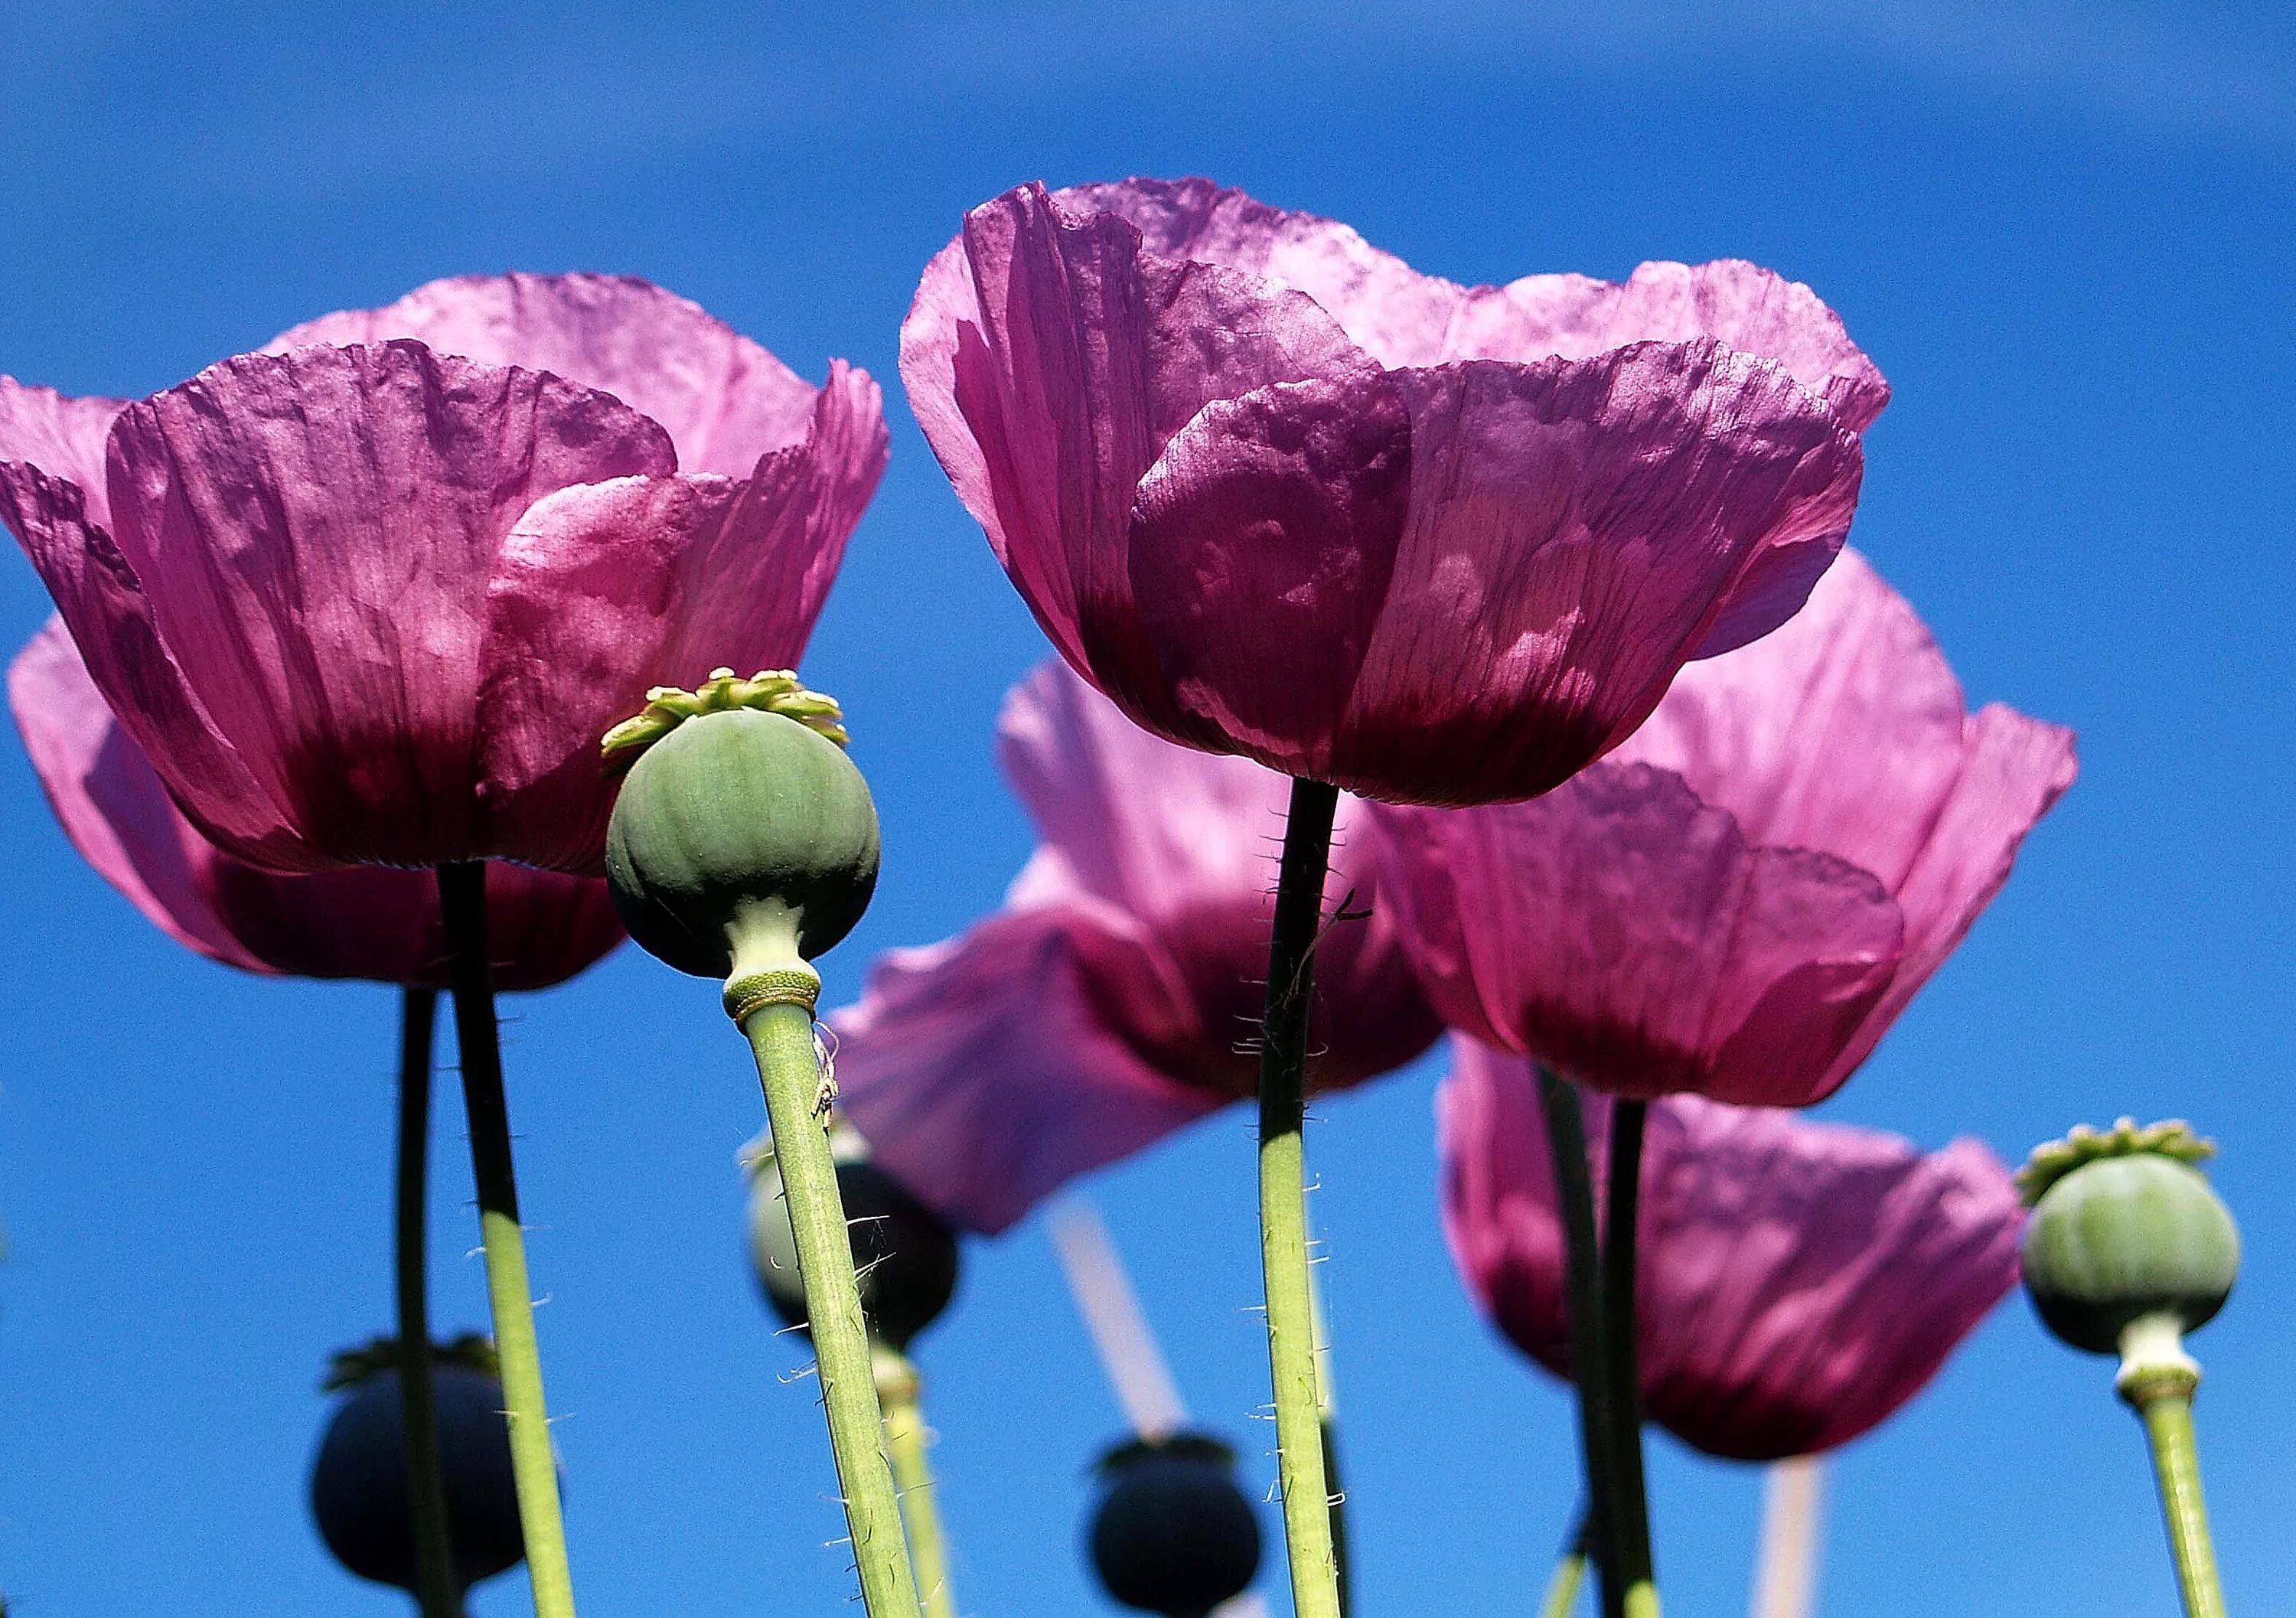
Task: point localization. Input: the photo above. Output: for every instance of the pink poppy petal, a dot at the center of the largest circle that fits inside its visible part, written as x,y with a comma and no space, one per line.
1576,529
1395,314
1800,1282
723,398
984,1076
383,925
1573,529
61,435
1403,317
1627,933
373,923
604,590
108,801
321,527
1742,305
102,603
1138,822
1049,375
2014,770
1262,549
1842,731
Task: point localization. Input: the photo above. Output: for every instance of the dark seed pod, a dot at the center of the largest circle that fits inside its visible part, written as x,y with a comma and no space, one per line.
358,1479
2125,1229
1173,1534
905,1256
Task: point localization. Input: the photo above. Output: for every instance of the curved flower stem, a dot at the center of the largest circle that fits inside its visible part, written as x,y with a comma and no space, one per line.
1574,1187
1622,1375
900,1393
2165,1401
426,1480
1569,1571
780,1030
1283,1202
462,907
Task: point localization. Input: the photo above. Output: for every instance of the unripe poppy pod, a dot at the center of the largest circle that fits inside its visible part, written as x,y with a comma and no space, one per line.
2130,1230
1173,1534
744,840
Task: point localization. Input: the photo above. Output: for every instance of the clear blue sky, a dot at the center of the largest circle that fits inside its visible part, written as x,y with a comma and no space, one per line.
2060,228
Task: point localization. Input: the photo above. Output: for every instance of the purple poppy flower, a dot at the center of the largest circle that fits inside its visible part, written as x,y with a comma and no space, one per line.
543,926
1741,899
1115,997
1279,495
372,599
1798,1282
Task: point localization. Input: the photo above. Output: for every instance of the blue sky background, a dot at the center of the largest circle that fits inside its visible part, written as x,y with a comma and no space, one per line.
2062,229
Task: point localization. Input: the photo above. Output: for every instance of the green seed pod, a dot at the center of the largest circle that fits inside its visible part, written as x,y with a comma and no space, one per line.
2125,1230
744,840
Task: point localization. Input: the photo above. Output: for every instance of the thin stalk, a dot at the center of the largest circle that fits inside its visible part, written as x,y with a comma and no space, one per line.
2176,1463
426,1478
1569,1571
1574,1191
1327,1408
781,1036
462,907
1623,1374
900,1391
1283,1200
1785,1571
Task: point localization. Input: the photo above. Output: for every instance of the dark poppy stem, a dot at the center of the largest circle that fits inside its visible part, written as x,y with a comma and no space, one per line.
426,1478
462,907
1623,1374
1574,1188
1283,1199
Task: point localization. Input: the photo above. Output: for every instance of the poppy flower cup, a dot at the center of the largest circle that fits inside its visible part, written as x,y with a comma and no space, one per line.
1278,494
1798,1282
372,596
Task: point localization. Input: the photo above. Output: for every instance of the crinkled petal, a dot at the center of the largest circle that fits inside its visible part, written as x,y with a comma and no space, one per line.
1798,1282
315,532
108,801
1572,531
1395,314
1403,317
2014,770
604,590
1626,933
1742,305
383,925
61,435
1138,822
1049,361
723,398
1842,731
378,924
984,1075
102,604
373,924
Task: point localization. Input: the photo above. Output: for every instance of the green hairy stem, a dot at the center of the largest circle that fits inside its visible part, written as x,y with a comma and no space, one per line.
1284,1203
463,904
